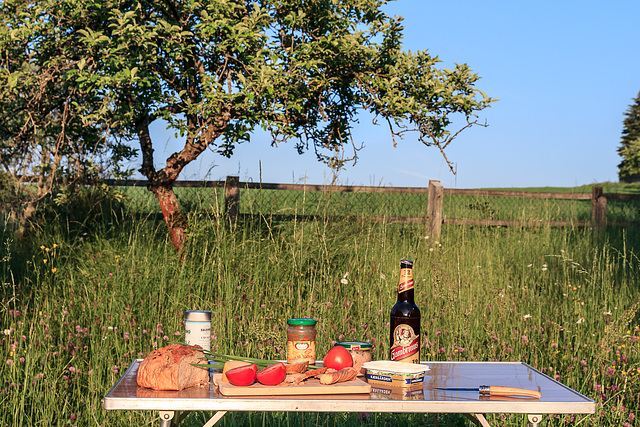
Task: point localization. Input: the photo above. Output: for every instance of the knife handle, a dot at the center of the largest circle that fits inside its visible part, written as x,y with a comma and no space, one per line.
509,391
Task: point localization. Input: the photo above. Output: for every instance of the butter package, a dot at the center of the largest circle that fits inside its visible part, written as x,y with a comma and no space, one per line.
386,374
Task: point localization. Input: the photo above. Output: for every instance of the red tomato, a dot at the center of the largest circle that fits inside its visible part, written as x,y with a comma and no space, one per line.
337,358
272,374
242,375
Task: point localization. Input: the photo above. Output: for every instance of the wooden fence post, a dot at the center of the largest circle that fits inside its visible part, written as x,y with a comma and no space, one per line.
598,208
434,210
232,198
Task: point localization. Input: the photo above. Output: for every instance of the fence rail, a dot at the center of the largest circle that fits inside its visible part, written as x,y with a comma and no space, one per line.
434,205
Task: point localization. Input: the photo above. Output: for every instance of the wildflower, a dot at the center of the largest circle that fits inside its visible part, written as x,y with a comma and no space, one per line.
53,270
580,320
176,333
344,281
382,276
7,331
22,360
544,267
73,417
527,316
329,305
9,362
530,265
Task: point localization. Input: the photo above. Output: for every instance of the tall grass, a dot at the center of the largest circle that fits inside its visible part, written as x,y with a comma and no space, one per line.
83,297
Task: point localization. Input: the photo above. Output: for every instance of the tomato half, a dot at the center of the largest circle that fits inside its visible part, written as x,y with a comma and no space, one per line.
272,374
337,358
242,375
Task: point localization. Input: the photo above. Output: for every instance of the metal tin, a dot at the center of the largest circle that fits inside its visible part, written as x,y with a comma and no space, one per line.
197,328
301,340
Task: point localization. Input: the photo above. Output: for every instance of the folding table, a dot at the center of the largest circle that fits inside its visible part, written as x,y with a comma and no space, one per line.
556,398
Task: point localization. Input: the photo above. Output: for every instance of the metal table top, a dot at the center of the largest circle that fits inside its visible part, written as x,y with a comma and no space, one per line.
556,397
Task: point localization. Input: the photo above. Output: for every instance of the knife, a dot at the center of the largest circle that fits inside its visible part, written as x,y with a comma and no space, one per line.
497,391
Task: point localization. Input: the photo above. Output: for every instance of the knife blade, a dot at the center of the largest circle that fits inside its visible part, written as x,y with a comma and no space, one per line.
496,391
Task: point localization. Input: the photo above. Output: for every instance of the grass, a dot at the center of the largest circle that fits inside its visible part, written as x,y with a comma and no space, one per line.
82,297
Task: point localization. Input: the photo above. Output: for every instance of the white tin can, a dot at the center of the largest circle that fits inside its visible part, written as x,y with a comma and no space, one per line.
197,328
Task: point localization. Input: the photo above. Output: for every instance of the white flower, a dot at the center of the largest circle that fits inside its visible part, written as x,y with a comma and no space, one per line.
7,331
344,281
580,320
527,316
530,265
607,313
382,276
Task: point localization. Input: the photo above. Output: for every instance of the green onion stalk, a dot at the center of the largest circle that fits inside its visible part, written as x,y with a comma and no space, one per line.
221,359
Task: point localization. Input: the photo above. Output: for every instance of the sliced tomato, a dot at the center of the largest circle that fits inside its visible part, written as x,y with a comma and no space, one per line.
272,374
242,375
337,358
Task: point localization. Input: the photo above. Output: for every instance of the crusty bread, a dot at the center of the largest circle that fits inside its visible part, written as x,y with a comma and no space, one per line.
169,368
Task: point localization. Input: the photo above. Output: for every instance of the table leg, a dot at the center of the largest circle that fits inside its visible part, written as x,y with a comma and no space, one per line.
165,418
534,420
478,419
215,419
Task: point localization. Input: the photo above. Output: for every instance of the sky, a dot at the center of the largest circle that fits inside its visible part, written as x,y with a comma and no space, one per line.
564,71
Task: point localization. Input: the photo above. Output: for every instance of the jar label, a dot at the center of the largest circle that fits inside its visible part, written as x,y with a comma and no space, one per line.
301,351
198,333
406,345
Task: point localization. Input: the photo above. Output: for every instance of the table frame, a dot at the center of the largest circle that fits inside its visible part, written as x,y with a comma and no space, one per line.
556,397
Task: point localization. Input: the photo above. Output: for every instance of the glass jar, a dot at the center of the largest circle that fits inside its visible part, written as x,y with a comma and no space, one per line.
197,328
301,341
360,353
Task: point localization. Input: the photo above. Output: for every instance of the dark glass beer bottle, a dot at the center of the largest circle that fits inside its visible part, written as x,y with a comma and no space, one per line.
405,320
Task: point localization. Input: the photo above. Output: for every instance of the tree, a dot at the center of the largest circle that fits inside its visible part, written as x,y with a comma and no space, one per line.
46,138
215,70
630,149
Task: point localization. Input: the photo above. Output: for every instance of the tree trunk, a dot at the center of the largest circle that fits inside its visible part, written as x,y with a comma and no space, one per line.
173,216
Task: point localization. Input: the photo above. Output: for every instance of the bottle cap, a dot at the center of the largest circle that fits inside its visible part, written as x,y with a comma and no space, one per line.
406,263
197,316
302,322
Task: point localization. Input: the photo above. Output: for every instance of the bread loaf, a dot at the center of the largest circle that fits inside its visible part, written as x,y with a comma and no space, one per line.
169,368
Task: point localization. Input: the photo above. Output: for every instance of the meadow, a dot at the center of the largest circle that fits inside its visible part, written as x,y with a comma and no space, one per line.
97,284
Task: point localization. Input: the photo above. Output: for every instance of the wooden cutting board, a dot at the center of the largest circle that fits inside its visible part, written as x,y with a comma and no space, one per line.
310,386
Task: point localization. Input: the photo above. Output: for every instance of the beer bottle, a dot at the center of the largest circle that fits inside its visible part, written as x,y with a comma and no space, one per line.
405,319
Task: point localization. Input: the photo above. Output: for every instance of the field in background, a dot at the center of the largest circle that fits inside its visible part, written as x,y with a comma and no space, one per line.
101,285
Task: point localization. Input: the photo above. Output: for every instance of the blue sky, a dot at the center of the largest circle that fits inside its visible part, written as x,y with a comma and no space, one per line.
564,71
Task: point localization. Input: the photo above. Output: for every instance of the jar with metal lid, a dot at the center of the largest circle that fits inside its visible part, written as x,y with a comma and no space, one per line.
301,341
197,328
360,353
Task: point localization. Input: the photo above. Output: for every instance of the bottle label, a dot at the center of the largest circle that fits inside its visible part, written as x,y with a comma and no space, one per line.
301,351
406,345
406,280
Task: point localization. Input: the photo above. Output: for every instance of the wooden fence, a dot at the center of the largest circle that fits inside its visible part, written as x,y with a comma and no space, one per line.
434,216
